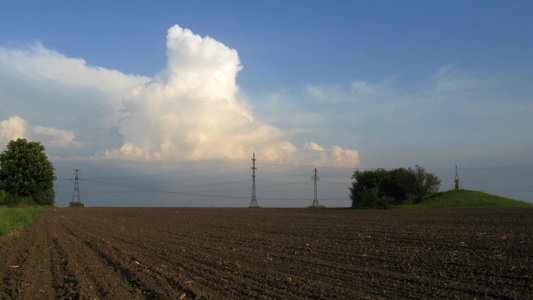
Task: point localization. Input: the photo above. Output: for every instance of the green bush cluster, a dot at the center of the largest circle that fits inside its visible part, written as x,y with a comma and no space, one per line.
382,188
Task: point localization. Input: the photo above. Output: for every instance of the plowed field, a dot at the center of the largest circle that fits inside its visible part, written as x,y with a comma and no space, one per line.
217,253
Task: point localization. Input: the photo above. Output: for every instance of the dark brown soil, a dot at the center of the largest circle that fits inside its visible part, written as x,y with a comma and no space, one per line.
183,253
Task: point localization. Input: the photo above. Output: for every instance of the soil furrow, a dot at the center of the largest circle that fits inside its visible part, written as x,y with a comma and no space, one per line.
195,253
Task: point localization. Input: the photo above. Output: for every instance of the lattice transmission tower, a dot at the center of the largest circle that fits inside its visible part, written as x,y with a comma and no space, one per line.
315,179
76,192
253,202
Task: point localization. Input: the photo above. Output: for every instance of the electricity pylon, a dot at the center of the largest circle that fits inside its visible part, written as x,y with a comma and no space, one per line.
316,179
76,192
253,202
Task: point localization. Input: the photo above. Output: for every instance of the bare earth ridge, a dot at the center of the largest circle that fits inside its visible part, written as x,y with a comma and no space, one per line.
228,253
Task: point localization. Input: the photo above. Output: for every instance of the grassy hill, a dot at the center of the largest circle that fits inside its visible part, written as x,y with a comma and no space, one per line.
465,199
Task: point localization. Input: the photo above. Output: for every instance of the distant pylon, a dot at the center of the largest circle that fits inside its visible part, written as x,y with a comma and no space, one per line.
456,182
253,202
315,178
76,192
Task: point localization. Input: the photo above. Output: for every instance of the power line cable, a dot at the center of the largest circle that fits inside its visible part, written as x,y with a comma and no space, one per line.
204,195
308,166
283,182
286,174
166,191
335,183
187,171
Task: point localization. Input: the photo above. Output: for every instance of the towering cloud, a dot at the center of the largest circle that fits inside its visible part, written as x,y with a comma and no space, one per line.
188,111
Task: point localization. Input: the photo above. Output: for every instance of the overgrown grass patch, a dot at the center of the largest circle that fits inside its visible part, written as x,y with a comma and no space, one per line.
17,218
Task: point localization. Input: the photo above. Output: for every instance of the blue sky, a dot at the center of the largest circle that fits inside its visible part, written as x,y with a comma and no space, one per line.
117,88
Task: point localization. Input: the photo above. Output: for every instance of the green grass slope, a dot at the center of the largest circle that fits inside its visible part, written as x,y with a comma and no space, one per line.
465,199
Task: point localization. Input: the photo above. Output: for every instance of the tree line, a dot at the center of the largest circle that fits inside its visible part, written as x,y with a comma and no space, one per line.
382,188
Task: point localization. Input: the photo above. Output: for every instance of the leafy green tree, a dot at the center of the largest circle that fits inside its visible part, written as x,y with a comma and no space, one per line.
381,188
366,188
393,187
26,172
421,183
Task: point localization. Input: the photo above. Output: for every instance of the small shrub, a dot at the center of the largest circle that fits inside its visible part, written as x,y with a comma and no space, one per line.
317,207
76,204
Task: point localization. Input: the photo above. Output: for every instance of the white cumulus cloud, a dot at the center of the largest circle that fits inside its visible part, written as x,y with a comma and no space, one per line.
188,111
15,127
313,146
332,157
11,129
54,91
191,111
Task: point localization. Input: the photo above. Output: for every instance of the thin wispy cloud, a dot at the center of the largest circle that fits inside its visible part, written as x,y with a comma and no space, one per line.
452,110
